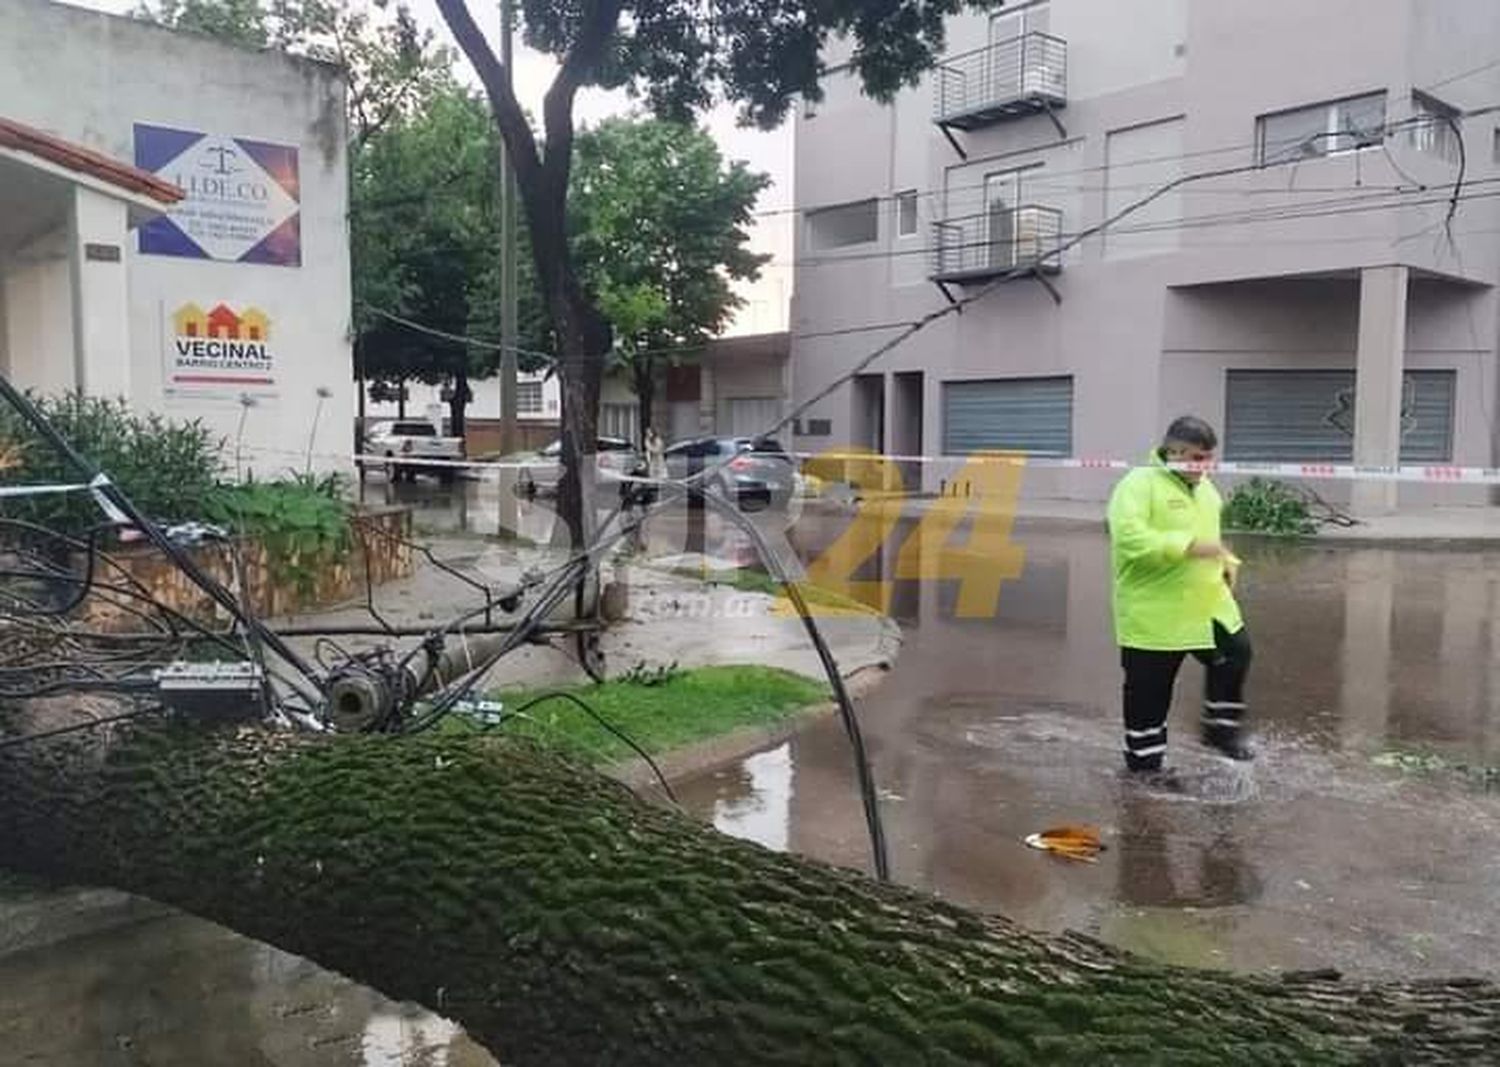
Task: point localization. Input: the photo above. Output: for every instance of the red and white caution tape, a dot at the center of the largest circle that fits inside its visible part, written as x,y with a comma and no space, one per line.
1444,474
1447,475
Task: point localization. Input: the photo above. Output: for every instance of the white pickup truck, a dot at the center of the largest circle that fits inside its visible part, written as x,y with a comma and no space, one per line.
412,439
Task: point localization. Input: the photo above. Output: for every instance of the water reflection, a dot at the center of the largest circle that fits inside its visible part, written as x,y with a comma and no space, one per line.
758,801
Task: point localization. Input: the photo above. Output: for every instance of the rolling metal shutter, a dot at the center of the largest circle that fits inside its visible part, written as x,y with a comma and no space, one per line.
1299,416
1032,415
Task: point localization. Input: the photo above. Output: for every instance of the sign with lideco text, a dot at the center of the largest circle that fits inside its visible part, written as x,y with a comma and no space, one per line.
242,202
222,349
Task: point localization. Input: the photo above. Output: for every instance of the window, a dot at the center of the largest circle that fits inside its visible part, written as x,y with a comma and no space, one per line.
847,224
1435,128
619,420
529,398
1296,416
1032,415
906,213
1321,130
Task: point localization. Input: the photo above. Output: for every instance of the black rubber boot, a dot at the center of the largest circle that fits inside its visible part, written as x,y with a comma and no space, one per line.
1227,741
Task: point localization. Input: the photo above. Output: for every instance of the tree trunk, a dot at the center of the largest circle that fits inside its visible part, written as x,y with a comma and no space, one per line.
644,370
401,399
583,338
561,921
459,403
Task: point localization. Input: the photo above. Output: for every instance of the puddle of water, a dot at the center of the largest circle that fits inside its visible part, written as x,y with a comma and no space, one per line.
756,803
145,986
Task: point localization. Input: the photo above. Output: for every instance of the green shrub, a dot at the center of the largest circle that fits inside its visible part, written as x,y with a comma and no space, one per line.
1264,506
166,468
303,523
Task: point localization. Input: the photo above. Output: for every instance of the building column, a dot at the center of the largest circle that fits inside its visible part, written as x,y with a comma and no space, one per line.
97,231
1378,383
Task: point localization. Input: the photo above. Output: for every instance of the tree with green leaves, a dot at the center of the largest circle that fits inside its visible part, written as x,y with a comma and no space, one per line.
680,56
659,224
425,228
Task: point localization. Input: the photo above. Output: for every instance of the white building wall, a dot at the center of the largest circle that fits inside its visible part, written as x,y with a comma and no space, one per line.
118,72
39,314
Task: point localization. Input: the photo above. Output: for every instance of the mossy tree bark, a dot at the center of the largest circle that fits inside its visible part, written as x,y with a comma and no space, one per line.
563,922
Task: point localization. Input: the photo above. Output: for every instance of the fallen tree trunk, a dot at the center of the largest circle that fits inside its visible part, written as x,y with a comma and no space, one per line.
561,921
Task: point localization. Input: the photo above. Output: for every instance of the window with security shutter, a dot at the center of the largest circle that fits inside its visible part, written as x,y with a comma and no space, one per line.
1032,415
1301,416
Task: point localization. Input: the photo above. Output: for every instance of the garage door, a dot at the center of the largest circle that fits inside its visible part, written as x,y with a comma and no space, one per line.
1297,416
1009,414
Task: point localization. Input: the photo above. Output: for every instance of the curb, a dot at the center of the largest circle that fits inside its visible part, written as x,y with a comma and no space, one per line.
712,753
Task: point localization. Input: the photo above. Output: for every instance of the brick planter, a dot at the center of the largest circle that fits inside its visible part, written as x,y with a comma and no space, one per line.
373,553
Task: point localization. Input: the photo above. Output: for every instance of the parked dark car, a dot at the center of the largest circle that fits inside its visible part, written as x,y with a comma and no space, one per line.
751,471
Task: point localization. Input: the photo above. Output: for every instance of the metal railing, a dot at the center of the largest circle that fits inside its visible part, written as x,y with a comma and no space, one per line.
991,81
995,242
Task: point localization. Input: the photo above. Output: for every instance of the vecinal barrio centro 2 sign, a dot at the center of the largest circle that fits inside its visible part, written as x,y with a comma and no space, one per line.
243,201
219,350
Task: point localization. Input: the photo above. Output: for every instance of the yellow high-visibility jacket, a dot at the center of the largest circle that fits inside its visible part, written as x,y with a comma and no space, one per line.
1163,600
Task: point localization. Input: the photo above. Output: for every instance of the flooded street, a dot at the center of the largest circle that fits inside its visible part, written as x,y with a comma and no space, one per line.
1314,856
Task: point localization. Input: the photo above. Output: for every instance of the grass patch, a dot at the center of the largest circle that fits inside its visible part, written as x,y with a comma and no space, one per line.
751,581
659,712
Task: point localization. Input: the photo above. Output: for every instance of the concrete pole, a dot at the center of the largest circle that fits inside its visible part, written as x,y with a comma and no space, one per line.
509,506
509,298
1379,378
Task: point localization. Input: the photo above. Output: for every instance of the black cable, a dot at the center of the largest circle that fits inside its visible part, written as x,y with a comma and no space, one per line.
112,492
866,776
608,726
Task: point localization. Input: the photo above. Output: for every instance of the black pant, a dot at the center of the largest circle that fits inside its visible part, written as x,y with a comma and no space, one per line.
1149,678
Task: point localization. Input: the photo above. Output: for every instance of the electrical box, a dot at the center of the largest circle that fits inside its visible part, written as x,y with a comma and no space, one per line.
213,692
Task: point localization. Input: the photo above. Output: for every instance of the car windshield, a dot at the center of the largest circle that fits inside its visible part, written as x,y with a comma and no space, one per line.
414,429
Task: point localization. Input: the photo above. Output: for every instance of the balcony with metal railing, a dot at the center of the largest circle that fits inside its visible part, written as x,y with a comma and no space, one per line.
1008,79
1004,240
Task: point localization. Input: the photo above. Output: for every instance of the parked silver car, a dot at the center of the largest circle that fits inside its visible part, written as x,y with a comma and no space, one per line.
751,471
541,471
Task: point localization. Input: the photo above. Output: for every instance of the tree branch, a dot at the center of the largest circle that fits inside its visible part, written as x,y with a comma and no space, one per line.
509,117
581,61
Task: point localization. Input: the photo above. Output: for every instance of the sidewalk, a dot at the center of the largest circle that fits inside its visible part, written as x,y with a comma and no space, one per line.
1416,527
1462,526
668,618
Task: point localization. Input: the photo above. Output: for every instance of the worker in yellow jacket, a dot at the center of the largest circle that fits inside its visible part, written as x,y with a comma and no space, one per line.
1174,597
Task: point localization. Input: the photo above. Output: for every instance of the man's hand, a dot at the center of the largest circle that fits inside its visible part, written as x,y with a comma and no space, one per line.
1206,550
1231,569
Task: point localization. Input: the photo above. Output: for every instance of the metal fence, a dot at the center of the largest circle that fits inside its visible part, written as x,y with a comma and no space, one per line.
1030,68
996,241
